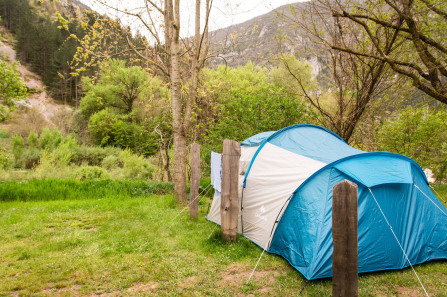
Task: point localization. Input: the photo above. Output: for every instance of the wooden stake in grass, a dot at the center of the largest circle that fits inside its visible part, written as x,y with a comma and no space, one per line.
344,235
229,209
195,181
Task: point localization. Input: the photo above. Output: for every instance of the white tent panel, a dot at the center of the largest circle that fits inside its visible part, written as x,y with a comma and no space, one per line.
214,213
247,153
274,175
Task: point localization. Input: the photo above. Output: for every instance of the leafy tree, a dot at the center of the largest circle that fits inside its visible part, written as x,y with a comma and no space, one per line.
11,88
419,133
120,106
118,87
245,102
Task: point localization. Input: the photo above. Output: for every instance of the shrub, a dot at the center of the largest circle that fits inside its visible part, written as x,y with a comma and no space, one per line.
101,127
18,146
4,134
4,113
135,167
50,139
91,173
4,158
32,139
30,157
92,155
420,133
110,162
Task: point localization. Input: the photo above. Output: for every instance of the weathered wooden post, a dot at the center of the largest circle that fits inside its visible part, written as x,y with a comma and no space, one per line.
344,235
229,209
195,181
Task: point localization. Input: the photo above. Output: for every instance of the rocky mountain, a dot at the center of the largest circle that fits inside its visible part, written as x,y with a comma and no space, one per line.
257,40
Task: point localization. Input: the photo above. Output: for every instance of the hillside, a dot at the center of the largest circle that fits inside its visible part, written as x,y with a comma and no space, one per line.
39,109
256,40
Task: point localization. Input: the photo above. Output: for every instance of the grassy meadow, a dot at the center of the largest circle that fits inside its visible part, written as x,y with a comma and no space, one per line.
129,239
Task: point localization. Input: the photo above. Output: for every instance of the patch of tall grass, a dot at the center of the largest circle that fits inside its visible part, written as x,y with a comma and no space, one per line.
65,189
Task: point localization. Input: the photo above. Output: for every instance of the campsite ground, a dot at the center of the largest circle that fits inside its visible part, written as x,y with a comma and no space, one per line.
137,245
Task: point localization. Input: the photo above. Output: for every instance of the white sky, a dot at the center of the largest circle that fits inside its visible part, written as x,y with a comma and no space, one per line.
224,13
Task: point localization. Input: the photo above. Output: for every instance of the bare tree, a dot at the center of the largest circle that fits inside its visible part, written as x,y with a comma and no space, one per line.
420,48
353,81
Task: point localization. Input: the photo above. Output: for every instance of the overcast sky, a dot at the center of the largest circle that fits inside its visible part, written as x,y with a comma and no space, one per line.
223,14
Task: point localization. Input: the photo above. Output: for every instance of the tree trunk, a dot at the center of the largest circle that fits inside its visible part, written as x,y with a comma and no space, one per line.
178,126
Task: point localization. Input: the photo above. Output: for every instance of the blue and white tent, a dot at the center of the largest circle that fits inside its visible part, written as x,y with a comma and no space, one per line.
285,198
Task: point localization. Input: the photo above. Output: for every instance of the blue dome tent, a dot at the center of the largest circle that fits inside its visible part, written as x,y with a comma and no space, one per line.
286,185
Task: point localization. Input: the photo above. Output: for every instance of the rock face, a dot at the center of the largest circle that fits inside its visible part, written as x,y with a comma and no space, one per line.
257,40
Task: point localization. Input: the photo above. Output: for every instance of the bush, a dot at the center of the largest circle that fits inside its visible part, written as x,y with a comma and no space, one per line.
4,113
4,159
30,157
135,167
18,146
32,139
91,173
50,139
101,127
4,134
110,162
419,133
92,155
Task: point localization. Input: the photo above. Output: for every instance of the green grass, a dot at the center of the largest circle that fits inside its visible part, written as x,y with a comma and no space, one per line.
65,189
127,245
4,134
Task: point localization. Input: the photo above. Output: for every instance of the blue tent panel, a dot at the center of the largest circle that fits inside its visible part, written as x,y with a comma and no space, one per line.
304,234
313,142
257,139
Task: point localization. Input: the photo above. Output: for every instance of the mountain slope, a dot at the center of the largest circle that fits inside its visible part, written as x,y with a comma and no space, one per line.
256,40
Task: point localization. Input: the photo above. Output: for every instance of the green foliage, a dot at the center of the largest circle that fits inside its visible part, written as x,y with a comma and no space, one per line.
300,68
4,113
32,139
4,134
135,167
66,189
30,157
11,88
248,103
118,87
90,173
18,146
101,127
419,133
108,128
110,162
115,104
50,139
92,155
4,158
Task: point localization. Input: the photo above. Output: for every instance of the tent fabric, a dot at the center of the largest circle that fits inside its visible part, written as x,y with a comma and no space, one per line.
216,171
286,202
257,139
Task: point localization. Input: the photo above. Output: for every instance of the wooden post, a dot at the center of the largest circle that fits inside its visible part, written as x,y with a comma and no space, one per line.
344,235
195,181
229,209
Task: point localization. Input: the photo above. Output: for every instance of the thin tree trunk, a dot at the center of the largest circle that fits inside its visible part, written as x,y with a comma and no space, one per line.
176,97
